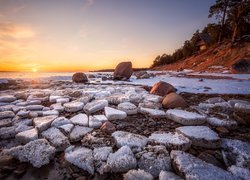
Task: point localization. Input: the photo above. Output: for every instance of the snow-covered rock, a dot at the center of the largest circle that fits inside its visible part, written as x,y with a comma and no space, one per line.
50,113
121,161
239,172
38,152
222,122
23,113
62,100
73,106
137,175
60,121
7,98
81,157
167,175
201,136
7,132
58,107
173,141
94,122
134,141
27,136
56,138
114,114
128,107
194,168
185,117
43,123
152,112
80,119
236,152
100,118
78,132
66,128
34,107
154,159
100,156
95,106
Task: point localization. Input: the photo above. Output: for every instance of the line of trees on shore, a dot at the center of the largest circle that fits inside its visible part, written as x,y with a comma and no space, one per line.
233,21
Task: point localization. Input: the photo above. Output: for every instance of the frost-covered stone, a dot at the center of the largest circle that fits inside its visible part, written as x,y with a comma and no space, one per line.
60,121
7,98
152,112
222,122
173,141
53,98
137,175
6,122
35,107
201,136
236,152
73,106
56,138
152,98
78,132
114,114
50,113
150,105
80,119
27,136
215,100
6,114
38,152
43,123
134,141
167,175
100,156
23,113
58,107
95,106
94,122
62,100
81,157
154,159
121,161
128,107
232,102
239,172
185,117
101,118
194,168
7,132
66,128
241,107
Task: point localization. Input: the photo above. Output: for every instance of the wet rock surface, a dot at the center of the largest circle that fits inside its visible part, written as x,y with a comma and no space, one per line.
63,129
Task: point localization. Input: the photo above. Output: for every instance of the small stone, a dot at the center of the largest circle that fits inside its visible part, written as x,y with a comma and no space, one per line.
53,98
152,112
80,119
35,107
128,107
94,123
78,132
50,113
7,132
23,113
38,152
60,121
185,117
27,136
173,100
43,123
222,123
172,141
100,118
108,127
6,114
167,175
215,100
62,100
81,157
134,141
102,153
137,175
121,161
95,106
56,138
58,107
114,114
7,98
66,128
73,106
162,88
5,122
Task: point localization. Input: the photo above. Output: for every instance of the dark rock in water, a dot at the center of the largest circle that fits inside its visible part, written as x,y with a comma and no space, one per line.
162,88
79,78
123,71
142,75
173,100
241,66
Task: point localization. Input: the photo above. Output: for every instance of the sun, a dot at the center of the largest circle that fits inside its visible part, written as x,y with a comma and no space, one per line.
34,69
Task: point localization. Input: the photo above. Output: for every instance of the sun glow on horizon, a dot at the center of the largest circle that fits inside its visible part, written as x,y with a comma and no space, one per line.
34,70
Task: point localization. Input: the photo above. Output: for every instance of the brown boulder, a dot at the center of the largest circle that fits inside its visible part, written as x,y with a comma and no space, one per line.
173,100
79,78
162,88
123,71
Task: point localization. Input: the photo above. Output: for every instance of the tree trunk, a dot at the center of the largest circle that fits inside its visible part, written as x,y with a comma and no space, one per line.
235,32
223,21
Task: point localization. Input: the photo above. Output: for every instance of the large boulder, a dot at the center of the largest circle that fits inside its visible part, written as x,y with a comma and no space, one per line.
241,66
173,100
123,71
162,88
79,78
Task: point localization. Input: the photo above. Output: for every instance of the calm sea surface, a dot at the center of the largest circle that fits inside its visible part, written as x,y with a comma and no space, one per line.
25,75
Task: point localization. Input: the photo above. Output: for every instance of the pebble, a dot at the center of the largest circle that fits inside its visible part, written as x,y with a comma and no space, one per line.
80,119
7,98
95,106
152,112
137,175
73,106
59,121
128,107
6,114
43,123
114,114
78,132
27,136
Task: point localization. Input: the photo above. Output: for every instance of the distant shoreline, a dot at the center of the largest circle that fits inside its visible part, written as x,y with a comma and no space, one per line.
112,70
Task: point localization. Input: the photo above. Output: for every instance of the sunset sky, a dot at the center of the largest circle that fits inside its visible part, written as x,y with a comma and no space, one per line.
80,35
